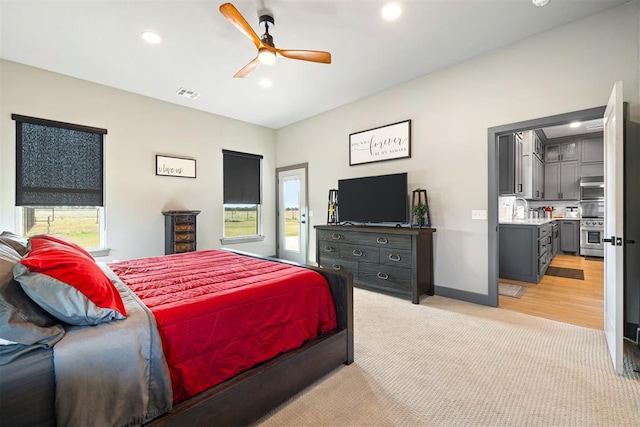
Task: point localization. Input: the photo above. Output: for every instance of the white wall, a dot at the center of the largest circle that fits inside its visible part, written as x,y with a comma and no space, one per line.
138,129
567,69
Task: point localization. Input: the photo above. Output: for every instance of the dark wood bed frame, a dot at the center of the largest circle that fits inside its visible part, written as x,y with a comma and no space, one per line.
249,396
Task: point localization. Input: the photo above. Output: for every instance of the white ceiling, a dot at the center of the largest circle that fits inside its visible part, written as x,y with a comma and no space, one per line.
581,128
100,41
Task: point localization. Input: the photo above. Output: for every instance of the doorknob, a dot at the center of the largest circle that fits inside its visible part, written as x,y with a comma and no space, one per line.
612,240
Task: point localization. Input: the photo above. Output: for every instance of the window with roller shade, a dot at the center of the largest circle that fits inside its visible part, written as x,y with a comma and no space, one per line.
60,179
242,174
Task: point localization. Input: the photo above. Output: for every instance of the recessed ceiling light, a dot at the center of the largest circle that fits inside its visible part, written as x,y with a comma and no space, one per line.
266,83
391,11
574,124
150,37
540,3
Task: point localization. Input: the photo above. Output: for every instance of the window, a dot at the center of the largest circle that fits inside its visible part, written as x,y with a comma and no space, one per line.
242,196
59,179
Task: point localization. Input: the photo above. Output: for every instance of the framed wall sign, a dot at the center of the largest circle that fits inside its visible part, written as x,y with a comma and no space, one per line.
382,143
175,166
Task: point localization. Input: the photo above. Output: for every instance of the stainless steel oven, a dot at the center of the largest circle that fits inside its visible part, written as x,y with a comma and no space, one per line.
591,235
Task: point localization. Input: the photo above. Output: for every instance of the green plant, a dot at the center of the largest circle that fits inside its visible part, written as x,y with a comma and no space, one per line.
419,210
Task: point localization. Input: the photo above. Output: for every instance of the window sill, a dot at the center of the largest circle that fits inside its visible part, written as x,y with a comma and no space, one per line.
99,252
236,240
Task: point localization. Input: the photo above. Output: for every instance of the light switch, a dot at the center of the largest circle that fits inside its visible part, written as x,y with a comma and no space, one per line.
478,214
310,213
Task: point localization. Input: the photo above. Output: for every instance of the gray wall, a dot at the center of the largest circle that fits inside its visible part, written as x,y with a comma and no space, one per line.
567,69
139,128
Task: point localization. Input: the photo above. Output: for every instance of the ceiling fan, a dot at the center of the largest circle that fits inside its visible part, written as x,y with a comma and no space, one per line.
266,48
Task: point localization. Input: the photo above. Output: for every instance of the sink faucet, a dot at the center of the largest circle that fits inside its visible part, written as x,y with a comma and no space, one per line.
514,212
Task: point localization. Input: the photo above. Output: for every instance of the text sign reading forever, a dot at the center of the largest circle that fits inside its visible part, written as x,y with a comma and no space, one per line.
382,143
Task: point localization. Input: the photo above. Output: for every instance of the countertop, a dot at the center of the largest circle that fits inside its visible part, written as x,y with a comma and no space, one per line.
534,221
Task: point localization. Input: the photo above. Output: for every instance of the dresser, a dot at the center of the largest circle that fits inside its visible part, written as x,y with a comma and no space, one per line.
179,231
393,260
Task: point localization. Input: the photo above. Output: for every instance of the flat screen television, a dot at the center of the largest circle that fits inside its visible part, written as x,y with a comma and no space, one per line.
375,199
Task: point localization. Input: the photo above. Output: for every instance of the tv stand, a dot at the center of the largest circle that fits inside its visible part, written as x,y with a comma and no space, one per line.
392,260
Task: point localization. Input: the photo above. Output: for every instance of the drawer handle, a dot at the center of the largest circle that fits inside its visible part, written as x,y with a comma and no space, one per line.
382,240
383,276
394,257
357,252
336,267
328,249
336,236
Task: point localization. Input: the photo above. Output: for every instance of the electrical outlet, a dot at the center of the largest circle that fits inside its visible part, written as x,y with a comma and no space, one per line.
479,214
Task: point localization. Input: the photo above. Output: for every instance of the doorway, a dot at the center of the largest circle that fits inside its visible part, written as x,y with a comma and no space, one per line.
553,297
292,225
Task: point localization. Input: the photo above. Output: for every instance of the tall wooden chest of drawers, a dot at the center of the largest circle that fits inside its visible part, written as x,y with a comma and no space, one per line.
179,231
389,259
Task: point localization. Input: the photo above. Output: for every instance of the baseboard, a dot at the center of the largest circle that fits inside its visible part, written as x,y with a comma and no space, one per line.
473,297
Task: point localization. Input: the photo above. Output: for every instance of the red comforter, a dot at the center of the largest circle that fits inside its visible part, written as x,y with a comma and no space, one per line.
220,313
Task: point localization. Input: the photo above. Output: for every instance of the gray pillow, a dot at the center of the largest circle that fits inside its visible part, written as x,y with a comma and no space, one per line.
17,242
24,326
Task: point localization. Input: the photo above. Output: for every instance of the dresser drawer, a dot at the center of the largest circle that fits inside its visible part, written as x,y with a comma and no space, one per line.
184,227
395,257
336,236
359,253
184,219
328,249
184,247
183,237
338,264
385,240
385,276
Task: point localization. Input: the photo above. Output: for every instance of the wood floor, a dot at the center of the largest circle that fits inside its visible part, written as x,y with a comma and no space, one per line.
579,302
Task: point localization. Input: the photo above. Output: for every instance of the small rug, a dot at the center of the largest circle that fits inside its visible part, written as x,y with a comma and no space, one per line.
569,273
508,290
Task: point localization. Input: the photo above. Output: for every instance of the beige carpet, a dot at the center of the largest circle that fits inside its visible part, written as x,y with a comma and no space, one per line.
449,363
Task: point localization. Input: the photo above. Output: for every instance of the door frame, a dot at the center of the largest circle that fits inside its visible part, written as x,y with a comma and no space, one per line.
304,166
492,202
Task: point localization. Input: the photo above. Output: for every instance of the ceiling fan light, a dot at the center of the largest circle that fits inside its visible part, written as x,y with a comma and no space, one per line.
266,56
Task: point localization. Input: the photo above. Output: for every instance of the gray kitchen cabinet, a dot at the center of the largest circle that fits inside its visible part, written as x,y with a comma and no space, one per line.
532,166
538,180
592,150
592,157
562,152
510,167
569,236
525,251
561,181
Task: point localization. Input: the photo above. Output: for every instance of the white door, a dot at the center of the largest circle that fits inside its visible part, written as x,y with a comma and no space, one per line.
292,215
613,230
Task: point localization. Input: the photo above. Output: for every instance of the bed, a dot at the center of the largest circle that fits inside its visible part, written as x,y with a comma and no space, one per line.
197,377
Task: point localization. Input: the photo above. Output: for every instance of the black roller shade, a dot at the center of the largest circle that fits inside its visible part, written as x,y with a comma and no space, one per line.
242,177
58,164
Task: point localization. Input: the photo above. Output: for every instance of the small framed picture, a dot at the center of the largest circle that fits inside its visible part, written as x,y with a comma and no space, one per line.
175,166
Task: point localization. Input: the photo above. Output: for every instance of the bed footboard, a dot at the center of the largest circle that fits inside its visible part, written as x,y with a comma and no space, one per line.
252,394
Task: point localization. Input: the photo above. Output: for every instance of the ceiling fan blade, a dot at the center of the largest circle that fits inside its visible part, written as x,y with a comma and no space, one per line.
247,69
230,12
306,55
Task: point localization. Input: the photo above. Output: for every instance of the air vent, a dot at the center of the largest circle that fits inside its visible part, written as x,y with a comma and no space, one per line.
186,93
